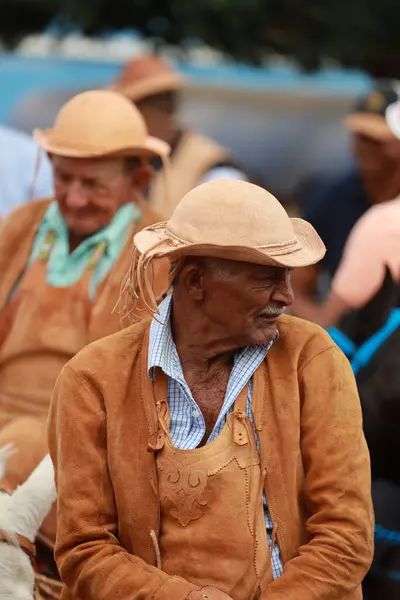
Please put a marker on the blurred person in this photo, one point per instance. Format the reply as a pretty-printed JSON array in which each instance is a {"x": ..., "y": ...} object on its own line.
[
  {"x": 23, "y": 174},
  {"x": 154, "y": 87},
  {"x": 371, "y": 253},
  {"x": 362, "y": 313},
  {"x": 221, "y": 453},
  {"x": 336, "y": 205},
  {"x": 63, "y": 259},
  {"x": 380, "y": 393},
  {"x": 363, "y": 304}
]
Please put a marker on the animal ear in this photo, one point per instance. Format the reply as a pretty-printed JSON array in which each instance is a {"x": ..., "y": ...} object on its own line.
[
  {"x": 32, "y": 501},
  {"x": 5, "y": 452}
]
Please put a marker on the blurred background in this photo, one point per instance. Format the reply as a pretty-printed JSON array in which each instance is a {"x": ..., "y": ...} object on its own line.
[
  {"x": 284, "y": 72},
  {"x": 273, "y": 81}
]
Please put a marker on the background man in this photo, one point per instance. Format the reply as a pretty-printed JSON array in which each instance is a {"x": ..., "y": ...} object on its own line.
[
  {"x": 155, "y": 87},
  {"x": 371, "y": 253},
  {"x": 62, "y": 260},
  {"x": 335, "y": 207}
]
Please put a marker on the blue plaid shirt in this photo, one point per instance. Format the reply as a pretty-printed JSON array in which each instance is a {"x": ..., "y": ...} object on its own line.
[{"x": 187, "y": 426}]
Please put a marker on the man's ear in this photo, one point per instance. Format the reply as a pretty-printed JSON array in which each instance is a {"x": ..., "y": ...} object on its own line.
[
  {"x": 191, "y": 278},
  {"x": 142, "y": 175}
]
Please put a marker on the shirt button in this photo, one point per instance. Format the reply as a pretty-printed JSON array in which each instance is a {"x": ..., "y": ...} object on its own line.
[{"x": 196, "y": 414}]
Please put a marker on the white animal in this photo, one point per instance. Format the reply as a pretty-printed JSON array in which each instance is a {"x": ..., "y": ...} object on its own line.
[{"x": 21, "y": 514}]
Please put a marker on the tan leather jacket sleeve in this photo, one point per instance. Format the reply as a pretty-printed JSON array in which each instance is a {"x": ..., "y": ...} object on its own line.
[
  {"x": 337, "y": 487},
  {"x": 92, "y": 563}
]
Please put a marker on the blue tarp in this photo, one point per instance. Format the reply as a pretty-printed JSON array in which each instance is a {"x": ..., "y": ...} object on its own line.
[
  {"x": 21, "y": 75},
  {"x": 360, "y": 357}
]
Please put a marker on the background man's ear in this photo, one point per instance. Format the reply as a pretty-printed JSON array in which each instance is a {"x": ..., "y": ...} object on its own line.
[{"x": 142, "y": 176}]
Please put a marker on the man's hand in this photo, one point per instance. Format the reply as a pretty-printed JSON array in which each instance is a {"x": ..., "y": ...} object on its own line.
[{"x": 208, "y": 593}]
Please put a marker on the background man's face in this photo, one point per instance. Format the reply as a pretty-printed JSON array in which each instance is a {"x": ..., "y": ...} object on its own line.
[
  {"x": 159, "y": 114},
  {"x": 90, "y": 191}
]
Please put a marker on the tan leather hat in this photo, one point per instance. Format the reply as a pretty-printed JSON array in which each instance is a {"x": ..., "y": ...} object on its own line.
[
  {"x": 147, "y": 76},
  {"x": 234, "y": 220},
  {"x": 224, "y": 218},
  {"x": 100, "y": 123}
]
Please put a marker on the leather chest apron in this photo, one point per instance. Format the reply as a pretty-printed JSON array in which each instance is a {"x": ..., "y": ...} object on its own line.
[
  {"x": 212, "y": 528},
  {"x": 41, "y": 329}
]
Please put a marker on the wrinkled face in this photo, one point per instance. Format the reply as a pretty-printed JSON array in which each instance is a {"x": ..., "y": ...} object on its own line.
[
  {"x": 90, "y": 191},
  {"x": 243, "y": 301}
]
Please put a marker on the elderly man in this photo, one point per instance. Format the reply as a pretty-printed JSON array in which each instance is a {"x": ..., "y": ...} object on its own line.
[
  {"x": 62, "y": 259},
  {"x": 154, "y": 87},
  {"x": 213, "y": 452}
]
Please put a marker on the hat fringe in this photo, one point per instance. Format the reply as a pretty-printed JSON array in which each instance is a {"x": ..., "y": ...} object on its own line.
[{"x": 138, "y": 286}]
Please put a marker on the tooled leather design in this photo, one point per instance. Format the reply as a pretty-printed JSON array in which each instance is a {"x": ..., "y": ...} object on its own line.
[{"x": 185, "y": 488}]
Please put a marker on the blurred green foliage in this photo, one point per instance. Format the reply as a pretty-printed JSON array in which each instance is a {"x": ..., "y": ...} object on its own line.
[{"x": 354, "y": 33}]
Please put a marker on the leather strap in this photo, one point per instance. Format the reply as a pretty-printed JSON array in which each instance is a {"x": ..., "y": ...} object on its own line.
[
  {"x": 240, "y": 428},
  {"x": 160, "y": 388},
  {"x": 26, "y": 545}
]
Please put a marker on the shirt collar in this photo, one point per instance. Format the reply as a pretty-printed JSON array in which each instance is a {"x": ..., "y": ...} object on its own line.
[{"x": 162, "y": 349}]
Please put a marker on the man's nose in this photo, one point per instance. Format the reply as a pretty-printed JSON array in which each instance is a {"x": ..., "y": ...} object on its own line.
[
  {"x": 283, "y": 291},
  {"x": 75, "y": 196}
]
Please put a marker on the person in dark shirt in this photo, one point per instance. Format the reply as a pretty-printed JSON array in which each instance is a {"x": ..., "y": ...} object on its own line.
[
  {"x": 333, "y": 208},
  {"x": 337, "y": 202}
]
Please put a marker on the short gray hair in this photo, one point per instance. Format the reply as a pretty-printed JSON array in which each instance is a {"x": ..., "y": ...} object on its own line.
[{"x": 220, "y": 267}]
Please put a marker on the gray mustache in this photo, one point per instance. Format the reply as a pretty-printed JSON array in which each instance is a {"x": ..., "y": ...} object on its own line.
[{"x": 271, "y": 311}]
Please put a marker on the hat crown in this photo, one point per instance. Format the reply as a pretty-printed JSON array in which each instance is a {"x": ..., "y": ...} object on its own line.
[
  {"x": 100, "y": 119},
  {"x": 140, "y": 69},
  {"x": 232, "y": 213}
]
